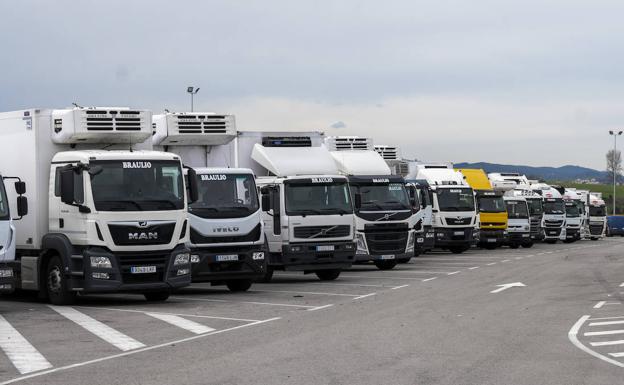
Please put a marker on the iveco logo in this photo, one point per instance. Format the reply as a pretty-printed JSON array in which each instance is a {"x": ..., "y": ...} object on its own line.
[
  {"x": 232, "y": 229},
  {"x": 142, "y": 236}
]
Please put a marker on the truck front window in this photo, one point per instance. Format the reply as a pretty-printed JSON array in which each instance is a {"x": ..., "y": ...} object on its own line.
[
  {"x": 597, "y": 211},
  {"x": 491, "y": 205},
  {"x": 4, "y": 204},
  {"x": 455, "y": 199},
  {"x": 517, "y": 210},
  {"x": 535, "y": 206},
  {"x": 554, "y": 207},
  {"x": 376, "y": 197},
  {"x": 572, "y": 211},
  {"x": 225, "y": 196},
  {"x": 317, "y": 199},
  {"x": 146, "y": 185}
]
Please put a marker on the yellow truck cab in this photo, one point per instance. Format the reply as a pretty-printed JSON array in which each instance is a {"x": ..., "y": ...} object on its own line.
[{"x": 491, "y": 209}]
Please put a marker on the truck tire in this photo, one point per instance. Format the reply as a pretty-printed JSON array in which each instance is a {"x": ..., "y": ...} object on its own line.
[
  {"x": 594, "y": 239},
  {"x": 386, "y": 265},
  {"x": 328, "y": 275},
  {"x": 238, "y": 285},
  {"x": 56, "y": 284},
  {"x": 157, "y": 296},
  {"x": 490, "y": 246},
  {"x": 268, "y": 275},
  {"x": 404, "y": 260},
  {"x": 514, "y": 245},
  {"x": 457, "y": 249},
  {"x": 527, "y": 245}
]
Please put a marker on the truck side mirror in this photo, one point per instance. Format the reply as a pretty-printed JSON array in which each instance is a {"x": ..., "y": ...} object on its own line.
[
  {"x": 67, "y": 186},
  {"x": 193, "y": 191},
  {"x": 266, "y": 202},
  {"x": 22, "y": 205},
  {"x": 357, "y": 200},
  {"x": 20, "y": 188}
]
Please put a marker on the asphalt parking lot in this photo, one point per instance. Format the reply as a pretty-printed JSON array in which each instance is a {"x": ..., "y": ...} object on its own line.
[{"x": 549, "y": 314}]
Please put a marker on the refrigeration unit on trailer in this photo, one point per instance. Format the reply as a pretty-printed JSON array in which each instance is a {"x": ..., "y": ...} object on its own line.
[
  {"x": 521, "y": 187},
  {"x": 518, "y": 222},
  {"x": 490, "y": 207},
  {"x": 307, "y": 208},
  {"x": 554, "y": 222},
  {"x": 226, "y": 230},
  {"x": 387, "y": 216},
  {"x": 7, "y": 229},
  {"x": 454, "y": 215},
  {"x": 574, "y": 208},
  {"x": 105, "y": 215}
]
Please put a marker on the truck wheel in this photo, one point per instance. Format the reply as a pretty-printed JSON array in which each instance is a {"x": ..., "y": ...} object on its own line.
[
  {"x": 56, "y": 284},
  {"x": 490, "y": 246},
  {"x": 457, "y": 249},
  {"x": 327, "y": 275},
  {"x": 514, "y": 245},
  {"x": 404, "y": 260},
  {"x": 239, "y": 284},
  {"x": 527, "y": 245},
  {"x": 157, "y": 296},
  {"x": 385, "y": 265},
  {"x": 268, "y": 275},
  {"x": 594, "y": 239}
]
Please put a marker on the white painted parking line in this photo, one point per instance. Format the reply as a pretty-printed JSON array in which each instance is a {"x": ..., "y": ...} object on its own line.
[
  {"x": 306, "y": 292},
  {"x": 607, "y": 343},
  {"x": 530, "y": 256},
  {"x": 490, "y": 264},
  {"x": 25, "y": 357},
  {"x": 505, "y": 260},
  {"x": 617, "y": 355},
  {"x": 321, "y": 307},
  {"x": 399, "y": 287},
  {"x": 606, "y": 323},
  {"x": 519, "y": 257},
  {"x": 474, "y": 267},
  {"x": 105, "y": 332},
  {"x": 245, "y": 302},
  {"x": 365, "y": 296},
  {"x": 352, "y": 276},
  {"x": 453, "y": 273},
  {"x": 183, "y": 323},
  {"x": 429, "y": 279},
  {"x": 178, "y": 314},
  {"x": 572, "y": 336},
  {"x": 622, "y": 284},
  {"x": 603, "y": 333},
  {"x": 599, "y": 304}
]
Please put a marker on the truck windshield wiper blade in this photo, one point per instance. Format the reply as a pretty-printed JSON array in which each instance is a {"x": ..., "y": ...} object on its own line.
[
  {"x": 336, "y": 209},
  {"x": 130, "y": 202},
  {"x": 373, "y": 203},
  {"x": 167, "y": 201},
  {"x": 398, "y": 202}
]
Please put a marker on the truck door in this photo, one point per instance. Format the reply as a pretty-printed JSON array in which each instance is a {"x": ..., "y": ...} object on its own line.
[{"x": 68, "y": 219}]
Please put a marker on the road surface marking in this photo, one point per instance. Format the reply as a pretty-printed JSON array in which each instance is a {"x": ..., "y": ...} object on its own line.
[
  {"x": 519, "y": 257},
  {"x": 25, "y": 357},
  {"x": 129, "y": 353},
  {"x": 604, "y": 333},
  {"x": 599, "y": 304},
  {"x": 490, "y": 264},
  {"x": 617, "y": 355},
  {"x": 622, "y": 284},
  {"x": 474, "y": 267},
  {"x": 606, "y": 323},
  {"x": 245, "y": 302},
  {"x": 429, "y": 279},
  {"x": 453, "y": 272},
  {"x": 607, "y": 343},
  {"x": 306, "y": 292},
  {"x": 399, "y": 287},
  {"x": 572, "y": 336},
  {"x": 530, "y": 256},
  {"x": 321, "y": 307},
  {"x": 178, "y": 314},
  {"x": 105, "y": 332},
  {"x": 506, "y": 286},
  {"x": 505, "y": 260},
  {"x": 365, "y": 296},
  {"x": 191, "y": 326}
]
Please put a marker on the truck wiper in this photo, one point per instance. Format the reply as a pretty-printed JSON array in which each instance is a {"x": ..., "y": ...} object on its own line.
[
  {"x": 336, "y": 209},
  {"x": 133, "y": 203},
  {"x": 167, "y": 201},
  {"x": 380, "y": 207},
  {"x": 398, "y": 202},
  {"x": 305, "y": 212}
]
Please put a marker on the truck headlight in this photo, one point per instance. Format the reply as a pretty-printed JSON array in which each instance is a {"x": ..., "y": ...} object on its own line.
[
  {"x": 6, "y": 273},
  {"x": 361, "y": 244},
  {"x": 183, "y": 271},
  {"x": 410, "y": 243},
  {"x": 296, "y": 249},
  {"x": 181, "y": 259},
  {"x": 101, "y": 263},
  {"x": 258, "y": 256},
  {"x": 194, "y": 258}
]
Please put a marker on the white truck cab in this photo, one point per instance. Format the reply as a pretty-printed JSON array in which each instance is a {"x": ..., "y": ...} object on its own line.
[
  {"x": 107, "y": 215},
  {"x": 574, "y": 208},
  {"x": 7, "y": 230},
  {"x": 597, "y": 216},
  {"x": 554, "y": 222},
  {"x": 454, "y": 213},
  {"x": 518, "y": 221}
]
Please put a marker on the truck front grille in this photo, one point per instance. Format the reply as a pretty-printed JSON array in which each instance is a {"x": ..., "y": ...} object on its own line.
[
  {"x": 126, "y": 261},
  {"x": 553, "y": 224},
  {"x": 124, "y": 235},
  {"x": 387, "y": 238},
  {"x": 322, "y": 231},
  {"x": 458, "y": 221},
  {"x": 595, "y": 229},
  {"x": 198, "y": 239}
]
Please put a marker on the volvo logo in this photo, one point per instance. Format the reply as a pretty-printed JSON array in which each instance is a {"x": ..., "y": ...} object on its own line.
[
  {"x": 233, "y": 229},
  {"x": 387, "y": 216},
  {"x": 142, "y": 236}
]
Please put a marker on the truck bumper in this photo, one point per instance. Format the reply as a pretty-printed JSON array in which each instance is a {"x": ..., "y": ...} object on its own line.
[
  {"x": 447, "y": 237},
  {"x": 491, "y": 237},
  {"x": 7, "y": 281},
  {"x": 552, "y": 232},
  {"x": 573, "y": 233},
  {"x": 121, "y": 278},
  {"x": 518, "y": 237},
  {"x": 425, "y": 241},
  {"x": 314, "y": 256},
  {"x": 207, "y": 264}
]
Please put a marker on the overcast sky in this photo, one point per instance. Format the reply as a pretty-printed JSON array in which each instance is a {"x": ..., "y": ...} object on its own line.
[{"x": 532, "y": 82}]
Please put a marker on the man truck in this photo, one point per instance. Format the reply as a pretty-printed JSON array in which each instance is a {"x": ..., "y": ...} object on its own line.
[
  {"x": 102, "y": 220},
  {"x": 227, "y": 239}
]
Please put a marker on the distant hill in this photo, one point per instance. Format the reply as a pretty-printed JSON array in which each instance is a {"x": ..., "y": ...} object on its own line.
[{"x": 564, "y": 173}]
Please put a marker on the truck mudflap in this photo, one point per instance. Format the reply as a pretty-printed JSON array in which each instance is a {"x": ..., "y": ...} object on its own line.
[
  {"x": 448, "y": 237},
  {"x": 228, "y": 263},
  {"x": 132, "y": 271},
  {"x": 314, "y": 256},
  {"x": 7, "y": 278}
]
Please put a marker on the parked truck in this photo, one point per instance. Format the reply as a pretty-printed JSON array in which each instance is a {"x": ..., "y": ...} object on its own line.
[
  {"x": 7, "y": 230},
  {"x": 227, "y": 239},
  {"x": 107, "y": 214},
  {"x": 554, "y": 222},
  {"x": 519, "y": 227},
  {"x": 307, "y": 208},
  {"x": 387, "y": 216},
  {"x": 454, "y": 215},
  {"x": 597, "y": 215},
  {"x": 574, "y": 208},
  {"x": 492, "y": 217}
]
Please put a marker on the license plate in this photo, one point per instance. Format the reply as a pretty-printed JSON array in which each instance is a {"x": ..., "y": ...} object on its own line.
[
  {"x": 227, "y": 258},
  {"x": 458, "y": 233},
  {"x": 491, "y": 240},
  {"x": 430, "y": 235},
  {"x": 420, "y": 240},
  {"x": 525, "y": 235},
  {"x": 325, "y": 248},
  {"x": 142, "y": 269},
  {"x": 387, "y": 256},
  {"x": 552, "y": 233}
]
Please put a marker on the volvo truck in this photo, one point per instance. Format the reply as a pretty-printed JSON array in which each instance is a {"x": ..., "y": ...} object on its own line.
[
  {"x": 454, "y": 216},
  {"x": 7, "y": 230},
  {"x": 307, "y": 208},
  {"x": 492, "y": 218},
  {"x": 226, "y": 239},
  {"x": 107, "y": 214},
  {"x": 518, "y": 227},
  {"x": 387, "y": 216}
]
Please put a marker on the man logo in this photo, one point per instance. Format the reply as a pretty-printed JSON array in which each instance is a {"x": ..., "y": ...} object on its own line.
[
  {"x": 143, "y": 236},
  {"x": 143, "y": 224}
]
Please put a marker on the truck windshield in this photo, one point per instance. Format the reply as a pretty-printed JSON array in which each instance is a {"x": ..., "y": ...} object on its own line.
[
  {"x": 317, "y": 199},
  {"x": 489, "y": 204},
  {"x": 554, "y": 207},
  {"x": 225, "y": 196},
  {"x": 455, "y": 199},
  {"x": 4, "y": 204},
  {"x": 382, "y": 197},
  {"x": 535, "y": 206},
  {"x": 572, "y": 211},
  {"x": 597, "y": 211},
  {"x": 517, "y": 210},
  {"x": 149, "y": 185}
]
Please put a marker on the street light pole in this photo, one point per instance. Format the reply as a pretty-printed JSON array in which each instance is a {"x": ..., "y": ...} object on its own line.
[
  {"x": 613, "y": 165},
  {"x": 192, "y": 91}
]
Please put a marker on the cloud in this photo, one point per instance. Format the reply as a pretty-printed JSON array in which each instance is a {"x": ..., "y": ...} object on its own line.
[{"x": 338, "y": 124}]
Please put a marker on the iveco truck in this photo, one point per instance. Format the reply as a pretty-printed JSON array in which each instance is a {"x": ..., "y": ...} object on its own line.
[
  {"x": 307, "y": 208},
  {"x": 227, "y": 239},
  {"x": 106, "y": 216},
  {"x": 491, "y": 209},
  {"x": 7, "y": 230},
  {"x": 454, "y": 215},
  {"x": 387, "y": 216}
]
